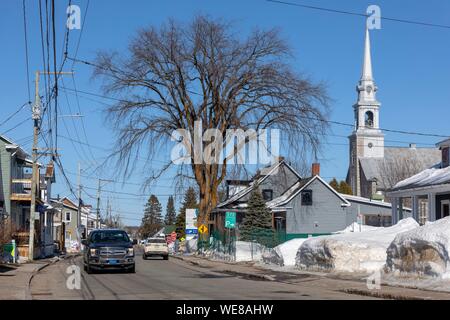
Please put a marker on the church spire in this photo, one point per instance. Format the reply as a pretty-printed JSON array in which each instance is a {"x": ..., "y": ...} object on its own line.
[{"x": 367, "y": 64}]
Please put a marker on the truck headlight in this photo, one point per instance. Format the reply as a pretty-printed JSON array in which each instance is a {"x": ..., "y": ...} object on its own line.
[
  {"x": 93, "y": 252},
  {"x": 130, "y": 252}
]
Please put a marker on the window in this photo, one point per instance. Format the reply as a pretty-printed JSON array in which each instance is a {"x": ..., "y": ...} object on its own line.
[
  {"x": 307, "y": 197},
  {"x": 68, "y": 216},
  {"x": 369, "y": 119},
  {"x": 267, "y": 194}
]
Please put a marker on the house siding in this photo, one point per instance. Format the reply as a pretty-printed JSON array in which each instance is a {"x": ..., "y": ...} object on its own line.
[{"x": 326, "y": 211}]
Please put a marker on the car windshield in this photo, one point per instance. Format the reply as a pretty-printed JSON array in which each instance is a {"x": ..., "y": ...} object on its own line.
[
  {"x": 109, "y": 236},
  {"x": 156, "y": 241}
]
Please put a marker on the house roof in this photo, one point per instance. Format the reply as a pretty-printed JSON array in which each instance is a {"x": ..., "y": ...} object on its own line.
[
  {"x": 256, "y": 180},
  {"x": 293, "y": 191},
  {"x": 373, "y": 168},
  {"x": 430, "y": 177}
]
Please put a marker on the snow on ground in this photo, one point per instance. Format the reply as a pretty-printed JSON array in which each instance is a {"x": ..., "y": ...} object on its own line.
[
  {"x": 356, "y": 227},
  {"x": 351, "y": 252},
  {"x": 284, "y": 254},
  {"x": 422, "y": 251},
  {"x": 245, "y": 252}
]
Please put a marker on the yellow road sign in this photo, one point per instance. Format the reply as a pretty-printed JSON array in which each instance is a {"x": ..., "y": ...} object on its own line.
[{"x": 203, "y": 229}]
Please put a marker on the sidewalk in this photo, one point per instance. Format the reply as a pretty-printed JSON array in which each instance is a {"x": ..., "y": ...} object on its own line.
[
  {"x": 14, "y": 283},
  {"x": 314, "y": 279}
]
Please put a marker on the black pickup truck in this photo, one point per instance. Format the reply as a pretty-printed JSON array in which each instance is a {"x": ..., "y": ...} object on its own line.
[{"x": 108, "y": 249}]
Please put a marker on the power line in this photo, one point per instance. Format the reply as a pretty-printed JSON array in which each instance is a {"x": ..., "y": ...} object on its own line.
[
  {"x": 13, "y": 114},
  {"x": 16, "y": 126},
  {"x": 26, "y": 50},
  {"x": 81, "y": 31},
  {"x": 421, "y": 23}
]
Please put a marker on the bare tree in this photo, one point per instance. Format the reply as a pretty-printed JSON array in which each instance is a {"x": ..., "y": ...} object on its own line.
[
  {"x": 397, "y": 169},
  {"x": 177, "y": 74}
]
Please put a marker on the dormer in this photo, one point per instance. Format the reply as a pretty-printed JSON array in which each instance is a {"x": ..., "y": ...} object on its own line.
[{"x": 444, "y": 146}]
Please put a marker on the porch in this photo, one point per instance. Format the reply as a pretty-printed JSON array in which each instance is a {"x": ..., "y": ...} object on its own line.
[{"x": 428, "y": 203}]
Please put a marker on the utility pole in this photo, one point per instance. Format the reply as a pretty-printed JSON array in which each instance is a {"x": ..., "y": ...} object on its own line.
[
  {"x": 79, "y": 200},
  {"x": 98, "y": 205},
  {"x": 36, "y": 116}
]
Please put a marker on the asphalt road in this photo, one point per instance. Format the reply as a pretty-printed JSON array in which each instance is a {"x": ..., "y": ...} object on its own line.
[{"x": 174, "y": 279}]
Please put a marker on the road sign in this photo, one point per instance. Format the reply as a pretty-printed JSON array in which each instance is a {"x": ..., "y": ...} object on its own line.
[
  {"x": 230, "y": 220},
  {"x": 202, "y": 229},
  {"x": 191, "y": 231}
]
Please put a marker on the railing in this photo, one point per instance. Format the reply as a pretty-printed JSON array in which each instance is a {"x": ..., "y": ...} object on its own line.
[{"x": 21, "y": 189}]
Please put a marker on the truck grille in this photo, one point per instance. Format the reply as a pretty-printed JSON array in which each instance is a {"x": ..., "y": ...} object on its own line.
[{"x": 112, "y": 252}]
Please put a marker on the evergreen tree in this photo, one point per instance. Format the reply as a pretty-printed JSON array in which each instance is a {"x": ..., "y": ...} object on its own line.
[
  {"x": 345, "y": 188},
  {"x": 170, "y": 212},
  {"x": 152, "y": 220},
  {"x": 257, "y": 223},
  {"x": 189, "y": 202},
  {"x": 335, "y": 185}
]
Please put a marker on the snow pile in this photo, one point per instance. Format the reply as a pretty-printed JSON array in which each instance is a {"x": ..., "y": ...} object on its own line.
[
  {"x": 243, "y": 251},
  {"x": 284, "y": 254},
  {"x": 431, "y": 176},
  {"x": 190, "y": 245},
  {"x": 422, "y": 251},
  {"x": 351, "y": 252},
  {"x": 355, "y": 227}
]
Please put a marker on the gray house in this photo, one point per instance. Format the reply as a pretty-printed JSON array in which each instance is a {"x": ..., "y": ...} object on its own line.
[{"x": 302, "y": 207}]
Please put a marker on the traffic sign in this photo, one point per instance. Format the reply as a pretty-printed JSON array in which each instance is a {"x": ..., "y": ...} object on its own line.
[
  {"x": 202, "y": 229},
  {"x": 230, "y": 220},
  {"x": 191, "y": 231}
]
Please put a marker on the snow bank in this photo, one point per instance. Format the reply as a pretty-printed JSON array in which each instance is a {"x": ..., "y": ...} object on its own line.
[
  {"x": 284, "y": 254},
  {"x": 422, "y": 251},
  {"x": 355, "y": 227},
  {"x": 191, "y": 245},
  {"x": 244, "y": 252},
  {"x": 351, "y": 252}
]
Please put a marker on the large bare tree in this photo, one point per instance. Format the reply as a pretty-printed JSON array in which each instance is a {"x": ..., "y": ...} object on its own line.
[{"x": 176, "y": 74}]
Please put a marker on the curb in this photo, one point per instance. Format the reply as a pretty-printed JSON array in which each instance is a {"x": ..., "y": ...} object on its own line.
[
  {"x": 233, "y": 272},
  {"x": 28, "y": 295}
]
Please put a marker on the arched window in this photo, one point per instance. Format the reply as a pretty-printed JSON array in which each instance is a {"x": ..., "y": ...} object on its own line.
[{"x": 369, "y": 119}]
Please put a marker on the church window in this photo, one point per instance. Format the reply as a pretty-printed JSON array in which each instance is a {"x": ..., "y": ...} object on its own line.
[{"x": 369, "y": 119}]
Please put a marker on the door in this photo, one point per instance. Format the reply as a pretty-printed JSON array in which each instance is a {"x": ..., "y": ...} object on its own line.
[{"x": 445, "y": 208}]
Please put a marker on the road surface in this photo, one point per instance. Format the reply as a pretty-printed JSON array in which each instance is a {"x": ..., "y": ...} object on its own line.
[{"x": 174, "y": 279}]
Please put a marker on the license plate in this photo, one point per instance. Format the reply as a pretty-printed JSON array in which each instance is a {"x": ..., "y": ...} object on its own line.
[{"x": 113, "y": 261}]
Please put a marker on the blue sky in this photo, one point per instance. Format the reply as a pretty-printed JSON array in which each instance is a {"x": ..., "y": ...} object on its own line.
[{"x": 411, "y": 68}]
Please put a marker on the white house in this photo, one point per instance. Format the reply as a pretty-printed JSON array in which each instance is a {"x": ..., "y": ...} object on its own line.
[{"x": 429, "y": 191}]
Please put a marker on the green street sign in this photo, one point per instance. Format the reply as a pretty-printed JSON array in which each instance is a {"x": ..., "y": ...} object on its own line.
[{"x": 230, "y": 220}]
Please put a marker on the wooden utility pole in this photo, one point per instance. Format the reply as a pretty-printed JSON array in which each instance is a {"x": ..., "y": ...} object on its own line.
[
  {"x": 98, "y": 205},
  {"x": 36, "y": 116},
  {"x": 79, "y": 200}
]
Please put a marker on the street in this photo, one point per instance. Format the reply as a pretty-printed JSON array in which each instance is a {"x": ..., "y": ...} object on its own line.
[{"x": 174, "y": 279}]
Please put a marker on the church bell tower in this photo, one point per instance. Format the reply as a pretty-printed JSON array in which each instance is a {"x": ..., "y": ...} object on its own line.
[{"x": 367, "y": 140}]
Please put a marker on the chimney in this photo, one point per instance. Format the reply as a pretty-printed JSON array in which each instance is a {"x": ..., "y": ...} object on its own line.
[{"x": 315, "y": 169}]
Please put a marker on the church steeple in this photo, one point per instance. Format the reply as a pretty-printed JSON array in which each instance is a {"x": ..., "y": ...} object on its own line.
[
  {"x": 367, "y": 140},
  {"x": 366, "y": 87},
  {"x": 367, "y": 63}
]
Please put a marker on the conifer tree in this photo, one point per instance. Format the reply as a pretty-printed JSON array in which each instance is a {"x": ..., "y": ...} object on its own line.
[
  {"x": 189, "y": 202},
  {"x": 170, "y": 212},
  {"x": 257, "y": 223},
  {"x": 152, "y": 220}
]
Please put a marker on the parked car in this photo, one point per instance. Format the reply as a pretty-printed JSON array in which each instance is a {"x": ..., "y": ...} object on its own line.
[
  {"x": 108, "y": 249},
  {"x": 156, "y": 247}
]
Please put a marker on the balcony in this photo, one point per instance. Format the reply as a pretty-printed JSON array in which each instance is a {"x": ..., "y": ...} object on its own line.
[{"x": 21, "y": 190}]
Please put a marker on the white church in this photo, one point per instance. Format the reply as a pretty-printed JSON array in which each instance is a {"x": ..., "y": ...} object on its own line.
[{"x": 374, "y": 167}]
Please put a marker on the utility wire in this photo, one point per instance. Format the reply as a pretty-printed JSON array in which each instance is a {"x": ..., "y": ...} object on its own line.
[
  {"x": 26, "y": 50},
  {"x": 421, "y": 23},
  {"x": 13, "y": 114}
]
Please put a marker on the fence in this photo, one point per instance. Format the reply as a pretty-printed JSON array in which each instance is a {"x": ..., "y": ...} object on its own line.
[{"x": 227, "y": 244}]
